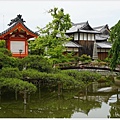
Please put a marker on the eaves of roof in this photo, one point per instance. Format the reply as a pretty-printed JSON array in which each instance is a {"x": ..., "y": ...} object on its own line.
[
  {"x": 79, "y": 27},
  {"x": 72, "y": 44},
  {"x": 106, "y": 45},
  {"x": 15, "y": 24}
]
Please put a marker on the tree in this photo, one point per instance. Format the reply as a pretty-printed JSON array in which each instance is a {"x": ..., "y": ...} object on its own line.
[
  {"x": 2, "y": 43},
  {"x": 115, "y": 50},
  {"x": 52, "y": 37}
]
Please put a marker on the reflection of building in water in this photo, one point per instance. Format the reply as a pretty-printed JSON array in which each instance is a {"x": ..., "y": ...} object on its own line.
[{"x": 97, "y": 94}]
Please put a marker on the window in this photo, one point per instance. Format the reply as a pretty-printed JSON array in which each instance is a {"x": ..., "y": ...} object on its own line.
[
  {"x": 81, "y": 36},
  {"x": 15, "y": 46},
  {"x": 85, "y": 36},
  {"x": 75, "y": 36},
  {"x": 93, "y": 38},
  {"x": 89, "y": 36}
]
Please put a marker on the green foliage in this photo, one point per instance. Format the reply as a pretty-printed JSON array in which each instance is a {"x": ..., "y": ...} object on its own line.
[
  {"x": 10, "y": 73},
  {"x": 83, "y": 78},
  {"x": 60, "y": 21},
  {"x": 17, "y": 84},
  {"x": 115, "y": 50},
  {"x": 106, "y": 79},
  {"x": 2, "y": 43},
  {"x": 36, "y": 62},
  {"x": 52, "y": 37},
  {"x": 33, "y": 74},
  {"x": 7, "y": 61},
  {"x": 5, "y": 51},
  {"x": 107, "y": 60},
  {"x": 50, "y": 78},
  {"x": 85, "y": 58}
]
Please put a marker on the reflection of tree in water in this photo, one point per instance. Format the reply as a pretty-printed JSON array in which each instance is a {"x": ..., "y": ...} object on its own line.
[{"x": 49, "y": 106}]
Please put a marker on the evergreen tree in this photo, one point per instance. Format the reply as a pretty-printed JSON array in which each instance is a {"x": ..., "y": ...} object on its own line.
[
  {"x": 115, "y": 50},
  {"x": 52, "y": 37}
]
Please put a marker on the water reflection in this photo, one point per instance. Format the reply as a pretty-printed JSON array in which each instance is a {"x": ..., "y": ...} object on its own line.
[
  {"x": 98, "y": 103},
  {"x": 114, "y": 102}
]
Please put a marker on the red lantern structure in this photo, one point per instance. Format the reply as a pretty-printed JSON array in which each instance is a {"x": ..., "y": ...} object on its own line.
[{"x": 16, "y": 37}]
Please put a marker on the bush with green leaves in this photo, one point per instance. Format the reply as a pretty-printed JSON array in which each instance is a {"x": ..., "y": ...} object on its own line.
[
  {"x": 36, "y": 62},
  {"x": 7, "y": 61},
  {"x": 83, "y": 77},
  {"x": 6, "y": 51},
  {"x": 85, "y": 58},
  {"x": 48, "y": 77},
  {"x": 17, "y": 84},
  {"x": 10, "y": 73},
  {"x": 2, "y": 43}
]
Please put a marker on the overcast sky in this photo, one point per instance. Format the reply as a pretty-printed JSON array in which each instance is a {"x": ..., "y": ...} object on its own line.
[{"x": 35, "y": 14}]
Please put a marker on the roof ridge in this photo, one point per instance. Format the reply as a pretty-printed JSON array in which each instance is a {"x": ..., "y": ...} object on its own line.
[
  {"x": 79, "y": 23},
  {"x": 99, "y": 26},
  {"x": 14, "y": 24},
  {"x": 15, "y": 20}
]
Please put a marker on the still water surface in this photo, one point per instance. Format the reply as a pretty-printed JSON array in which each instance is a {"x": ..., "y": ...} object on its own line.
[{"x": 103, "y": 103}]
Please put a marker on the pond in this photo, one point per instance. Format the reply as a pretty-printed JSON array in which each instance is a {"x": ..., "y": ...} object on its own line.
[{"x": 100, "y": 102}]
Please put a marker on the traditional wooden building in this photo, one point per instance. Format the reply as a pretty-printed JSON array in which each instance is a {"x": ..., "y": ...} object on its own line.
[
  {"x": 16, "y": 37},
  {"x": 84, "y": 35},
  {"x": 103, "y": 46},
  {"x": 91, "y": 41}
]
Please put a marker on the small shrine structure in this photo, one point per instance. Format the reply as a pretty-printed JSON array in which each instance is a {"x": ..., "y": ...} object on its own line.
[{"x": 17, "y": 36}]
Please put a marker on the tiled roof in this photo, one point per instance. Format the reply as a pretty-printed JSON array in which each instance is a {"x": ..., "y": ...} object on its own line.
[
  {"x": 103, "y": 45},
  {"x": 105, "y": 33},
  {"x": 81, "y": 27},
  {"x": 101, "y": 37},
  {"x": 99, "y": 28},
  {"x": 71, "y": 44},
  {"x": 19, "y": 21}
]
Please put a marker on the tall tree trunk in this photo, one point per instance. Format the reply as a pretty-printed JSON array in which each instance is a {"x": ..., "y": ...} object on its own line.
[
  {"x": 59, "y": 88},
  {"x": 39, "y": 92},
  {"x": 15, "y": 94},
  {"x": 28, "y": 96},
  {"x": 25, "y": 97},
  {"x": 0, "y": 94},
  {"x": 86, "y": 90},
  {"x": 25, "y": 109}
]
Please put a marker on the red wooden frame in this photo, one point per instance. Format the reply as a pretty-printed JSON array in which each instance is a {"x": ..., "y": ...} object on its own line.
[{"x": 7, "y": 36}]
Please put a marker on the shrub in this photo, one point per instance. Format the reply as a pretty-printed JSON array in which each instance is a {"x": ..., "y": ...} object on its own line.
[
  {"x": 17, "y": 84},
  {"x": 85, "y": 58},
  {"x": 36, "y": 62},
  {"x": 5, "y": 51},
  {"x": 10, "y": 73},
  {"x": 2, "y": 43},
  {"x": 7, "y": 61}
]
